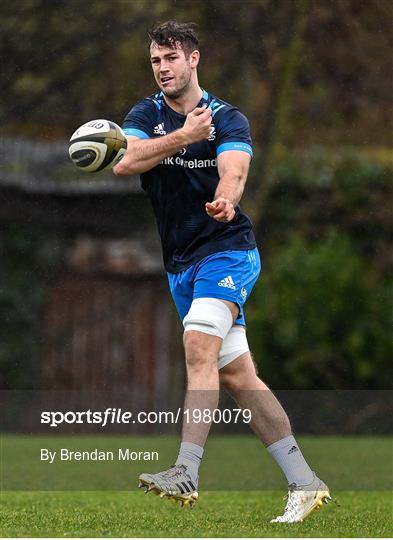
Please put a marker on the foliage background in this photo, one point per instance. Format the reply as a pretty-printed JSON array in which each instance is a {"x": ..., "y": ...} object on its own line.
[{"x": 315, "y": 79}]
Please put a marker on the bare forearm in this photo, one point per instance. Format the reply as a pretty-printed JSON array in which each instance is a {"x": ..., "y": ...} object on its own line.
[
  {"x": 143, "y": 155},
  {"x": 231, "y": 187},
  {"x": 233, "y": 169}
]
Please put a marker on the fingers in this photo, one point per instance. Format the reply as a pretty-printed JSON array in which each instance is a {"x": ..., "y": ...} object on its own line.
[
  {"x": 200, "y": 110},
  {"x": 224, "y": 216},
  {"x": 220, "y": 210},
  {"x": 198, "y": 124}
]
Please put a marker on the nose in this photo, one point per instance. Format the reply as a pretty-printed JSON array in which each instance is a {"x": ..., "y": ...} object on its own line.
[{"x": 163, "y": 66}]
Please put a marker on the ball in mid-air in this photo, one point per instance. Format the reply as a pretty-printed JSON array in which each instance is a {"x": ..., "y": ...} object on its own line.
[{"x": 96, "y": 145}]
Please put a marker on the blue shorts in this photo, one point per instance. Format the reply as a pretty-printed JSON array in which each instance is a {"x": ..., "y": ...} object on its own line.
[{"x": 227, "y": 275}]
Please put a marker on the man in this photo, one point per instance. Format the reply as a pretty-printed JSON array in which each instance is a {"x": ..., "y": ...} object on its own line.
[{"x": 192, "y": 151}]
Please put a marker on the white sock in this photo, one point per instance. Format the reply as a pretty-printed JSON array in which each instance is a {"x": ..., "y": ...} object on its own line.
[
  {"x": 190, "y": 455},
  {"x": 289, "y": 458}
]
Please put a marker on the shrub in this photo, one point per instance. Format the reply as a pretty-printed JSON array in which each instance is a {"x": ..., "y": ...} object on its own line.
[{"x": 319, "y": 318}]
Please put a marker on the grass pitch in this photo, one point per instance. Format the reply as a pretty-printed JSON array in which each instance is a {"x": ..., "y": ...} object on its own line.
[
  {"x": 217, "y": 514},
  {"x": 358, "y": 471}
]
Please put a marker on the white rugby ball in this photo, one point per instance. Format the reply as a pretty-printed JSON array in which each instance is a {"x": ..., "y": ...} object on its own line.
[{"x": 97, "y": 145}]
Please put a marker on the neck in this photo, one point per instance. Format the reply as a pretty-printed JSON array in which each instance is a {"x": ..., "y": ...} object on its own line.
[{"x": 187, "y": 102}]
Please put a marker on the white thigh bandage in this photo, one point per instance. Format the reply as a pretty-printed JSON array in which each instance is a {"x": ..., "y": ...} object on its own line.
[
  {"x": 210, "y": 316},
  {"x": 233, "y": 346}
]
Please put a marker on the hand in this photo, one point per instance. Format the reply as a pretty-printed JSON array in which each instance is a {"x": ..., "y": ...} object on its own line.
[
  {"x": 197, "y": 125},
  {"x": 221, "y": 210}
]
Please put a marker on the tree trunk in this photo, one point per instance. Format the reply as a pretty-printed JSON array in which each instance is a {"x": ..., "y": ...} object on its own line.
[{"x": 280, "y": 106}]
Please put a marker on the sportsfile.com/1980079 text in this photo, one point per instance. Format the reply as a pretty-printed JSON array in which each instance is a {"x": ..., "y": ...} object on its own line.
[{"x": 111, "y": 416}]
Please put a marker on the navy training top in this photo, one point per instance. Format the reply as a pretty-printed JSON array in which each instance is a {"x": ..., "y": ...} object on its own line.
[{"x": 181, "y": 184}]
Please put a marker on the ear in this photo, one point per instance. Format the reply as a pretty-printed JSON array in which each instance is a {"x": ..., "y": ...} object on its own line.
[{"x": 194, "y": 59}]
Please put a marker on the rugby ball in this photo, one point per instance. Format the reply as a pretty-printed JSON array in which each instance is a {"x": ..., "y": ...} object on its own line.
[{"x": 97, "y": 145}]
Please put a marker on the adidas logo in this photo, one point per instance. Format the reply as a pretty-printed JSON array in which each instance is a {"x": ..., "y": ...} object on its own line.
[
  {"x": 159, "y": 130},
  {"x": 227, "y": 282},
  {"x": 293, "y": 449}
]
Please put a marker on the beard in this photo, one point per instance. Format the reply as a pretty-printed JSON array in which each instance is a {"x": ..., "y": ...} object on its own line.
[{"x": 180, "y": 88}]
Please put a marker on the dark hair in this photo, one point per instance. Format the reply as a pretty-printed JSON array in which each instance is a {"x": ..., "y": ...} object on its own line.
[{"x": 173, "y": 34}]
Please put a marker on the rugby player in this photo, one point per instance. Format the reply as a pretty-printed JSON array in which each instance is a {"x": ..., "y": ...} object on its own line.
[{"x": 192, "y": 151}]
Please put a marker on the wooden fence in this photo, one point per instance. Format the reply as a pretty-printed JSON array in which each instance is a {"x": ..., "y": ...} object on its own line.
[{"x": 113, "y": 334}]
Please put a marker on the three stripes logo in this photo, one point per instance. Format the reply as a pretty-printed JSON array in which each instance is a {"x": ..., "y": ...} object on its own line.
[
  {"x": 293, "y": 449},
  {"x": 227, "y": 282},
  {"x": 159, "y": 129},
  {"x": 185, "y": 487}
]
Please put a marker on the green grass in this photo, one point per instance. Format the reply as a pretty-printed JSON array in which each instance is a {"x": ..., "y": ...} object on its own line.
[
  {"x": 218, "y": 514},
  {"x": 95, "y": 499},
  {"x": 237, "y": 462}
]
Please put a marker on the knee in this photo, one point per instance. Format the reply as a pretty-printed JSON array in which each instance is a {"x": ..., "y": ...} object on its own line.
[
  {"x": 236, "y": 380},
  {"x": 241, "y": 374},
  {"x": 199, "y": 350},
  {"x": 191, "y": 342},
  {"x": 229, "y": 381}
]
